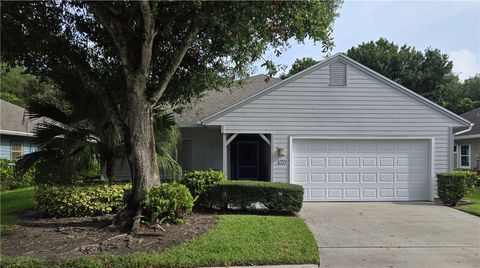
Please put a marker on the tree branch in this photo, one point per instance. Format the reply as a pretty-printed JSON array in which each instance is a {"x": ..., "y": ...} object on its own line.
[
  {"x": 177, "y": 58},
  {"x": 115, "y": 27},
  {"x": 148, "y": 37},
  {"x": 106, "y": 98}
]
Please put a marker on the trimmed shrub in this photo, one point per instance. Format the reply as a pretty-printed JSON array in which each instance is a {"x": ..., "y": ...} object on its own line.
[
  {"x": 276, "y": 197},
  {"x": 198, "y": 183},
  {"x": 168, "y": 202},
  {"x": 81, "y": 200},
  {"x": 10, "y": 179},
  {"x": 471, "y": 180},
  {"x": 451, "y": 187}
]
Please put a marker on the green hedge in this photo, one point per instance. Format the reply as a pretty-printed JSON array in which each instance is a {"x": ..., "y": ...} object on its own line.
[
  {"x": 276, "y": 197},
  {"x": 471, "y": 179},
  {"x": 451, "y": 187},
  {"x": 168, "y": 202},
  {"x": 198, "y": 182},
  {"x": 10, "y": 179},
  {"x": 81, "y": 200}
]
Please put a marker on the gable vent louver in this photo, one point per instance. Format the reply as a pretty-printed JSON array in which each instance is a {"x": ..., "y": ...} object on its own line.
[{"x": 338, "y": 74}]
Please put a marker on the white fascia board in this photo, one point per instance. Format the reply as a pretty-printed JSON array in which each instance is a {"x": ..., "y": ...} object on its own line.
[
  {"x": 16, "y": 133},
  {"x": 466, "y": 137}
]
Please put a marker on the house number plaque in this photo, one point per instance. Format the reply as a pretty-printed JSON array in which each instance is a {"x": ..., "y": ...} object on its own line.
[{"x": 282, "y": 162}]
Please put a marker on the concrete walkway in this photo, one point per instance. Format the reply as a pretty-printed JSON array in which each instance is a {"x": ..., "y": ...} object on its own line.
[{"x": 385, "y": 234}]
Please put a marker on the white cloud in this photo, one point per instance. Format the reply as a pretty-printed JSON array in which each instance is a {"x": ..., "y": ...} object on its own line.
[{"x": 465, "y": 63}]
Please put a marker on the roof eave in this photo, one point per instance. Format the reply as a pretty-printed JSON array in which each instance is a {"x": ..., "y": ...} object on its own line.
[
  {"x": 462, "y": 121},
  {"x": 16, "y": 133},
  {"x": 268, "y": 89}
]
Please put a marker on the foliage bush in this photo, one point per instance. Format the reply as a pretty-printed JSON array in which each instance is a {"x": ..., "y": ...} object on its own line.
[
  {"x": 451, "y": 187},
  {"x": 198, "y": 182},
  {"x": 276, "y": 197},
  {"x": 81, "y": 200},
  {"x": 48, "y": 172},
  {"x": 10, "y": 179},
  {"x": 168, "y": 202},
  {"x": 471, "y": 179}
]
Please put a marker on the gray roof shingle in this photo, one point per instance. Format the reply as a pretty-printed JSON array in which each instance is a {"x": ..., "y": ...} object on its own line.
[
  {"x": 12, "y": 119},
  {"x": 474, "y": 117},
  {"x": 215, "y": 101}
]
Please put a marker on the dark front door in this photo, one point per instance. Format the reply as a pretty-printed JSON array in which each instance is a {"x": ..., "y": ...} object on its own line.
[{"x": 248, "y": 160}]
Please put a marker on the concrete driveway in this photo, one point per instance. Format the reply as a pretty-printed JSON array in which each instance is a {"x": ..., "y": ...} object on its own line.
[{"x": 385, "y": 234}]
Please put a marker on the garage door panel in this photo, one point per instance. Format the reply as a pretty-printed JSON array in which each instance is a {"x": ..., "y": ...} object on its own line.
[{"x": 363, "y": 170}]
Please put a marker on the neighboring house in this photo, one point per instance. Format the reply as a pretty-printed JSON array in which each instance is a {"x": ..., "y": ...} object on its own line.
[
  {"x": 15, "y": 131},
  {"x": 466, "y": 151},
  {"x": 343, "y": 131}
]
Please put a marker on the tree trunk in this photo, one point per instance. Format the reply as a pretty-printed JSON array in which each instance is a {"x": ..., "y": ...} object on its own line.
[
  {"x": 140, "y": 149},
  {"x": 110, "y": 168},
  {"x": 142, "y": 156}
]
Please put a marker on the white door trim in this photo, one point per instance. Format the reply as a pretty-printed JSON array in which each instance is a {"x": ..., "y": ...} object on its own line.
[{"x": 431, "y": 153}]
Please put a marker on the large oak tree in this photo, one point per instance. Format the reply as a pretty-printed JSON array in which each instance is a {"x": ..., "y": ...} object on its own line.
[{"x": 138, "y": 55}]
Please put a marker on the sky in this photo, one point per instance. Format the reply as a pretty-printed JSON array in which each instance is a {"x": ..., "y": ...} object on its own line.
[{"x": 451, "y": 26}]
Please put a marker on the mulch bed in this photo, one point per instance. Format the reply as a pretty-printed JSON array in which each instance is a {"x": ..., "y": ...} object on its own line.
[{"x": 73, "y": 237}]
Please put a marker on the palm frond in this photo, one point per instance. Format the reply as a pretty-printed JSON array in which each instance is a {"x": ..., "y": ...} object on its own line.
[
  {"x": 167, "y": 136},
  {"x": 169, "y": 167},
  {"x": 42, "y": 109}
]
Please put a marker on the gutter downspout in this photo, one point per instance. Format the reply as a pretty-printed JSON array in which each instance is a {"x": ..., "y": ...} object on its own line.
[{"x": 465, "y": 130}]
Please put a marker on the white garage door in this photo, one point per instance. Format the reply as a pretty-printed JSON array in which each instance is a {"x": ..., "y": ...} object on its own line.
[{"x": 362, "y": 170}]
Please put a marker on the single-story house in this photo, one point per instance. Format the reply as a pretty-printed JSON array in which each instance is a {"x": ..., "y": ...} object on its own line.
[
  {"x": 15, "y": 131},
  {"x": 343, "y": 131},
  {"x": 466, "y": 151}
]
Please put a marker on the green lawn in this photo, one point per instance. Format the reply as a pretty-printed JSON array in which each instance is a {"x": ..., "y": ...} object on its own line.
[
  {"x": 235, "y": 240},
  {"x": 13, "y": 202},
  {"x": 473, "y": 208}
]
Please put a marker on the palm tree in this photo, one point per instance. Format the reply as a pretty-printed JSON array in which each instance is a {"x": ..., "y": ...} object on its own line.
[
  {"x": 167, "y": 136},
  {"x": 77, "y": 140}
]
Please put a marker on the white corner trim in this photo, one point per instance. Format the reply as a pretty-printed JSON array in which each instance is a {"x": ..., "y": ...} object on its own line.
[{"x": 16, "y": 133}]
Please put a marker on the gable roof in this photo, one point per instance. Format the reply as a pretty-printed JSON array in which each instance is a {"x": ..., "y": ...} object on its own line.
[
  {"x": 474, "y": 117},
  {"x": 217, "y": 100},
  {"x": 13, "y": 122},
  {"x": 343, "y": 58}
]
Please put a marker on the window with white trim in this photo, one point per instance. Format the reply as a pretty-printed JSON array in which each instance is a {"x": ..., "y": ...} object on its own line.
[
  {"x": 16, "y": 151},
  {"x": 464, "y": 156}
]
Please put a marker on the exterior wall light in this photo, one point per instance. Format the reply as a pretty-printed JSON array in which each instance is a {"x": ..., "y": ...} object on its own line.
[{"x": 282, "y": 152}]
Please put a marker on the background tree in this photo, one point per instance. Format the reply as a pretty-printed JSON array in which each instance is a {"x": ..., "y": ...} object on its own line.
[
  {"x": 153, "y": 53},
  {"x": 423, "y": 72},
  {"x": 461, "y": 97},
  {"x": 298, "y": 66},
  {"x": 19, "y": 87},
  {"x": 427, "y": 73}
]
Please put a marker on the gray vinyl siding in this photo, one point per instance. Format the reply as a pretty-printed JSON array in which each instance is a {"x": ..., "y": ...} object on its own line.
[
  {"x": 206, "y": 147},
  {"x": 365, "y": 107}
]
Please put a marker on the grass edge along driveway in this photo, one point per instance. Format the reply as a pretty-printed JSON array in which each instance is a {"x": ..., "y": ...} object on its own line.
[
  {"x": 474, "y": 207},
  {"x": 235, "y": 240}
]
